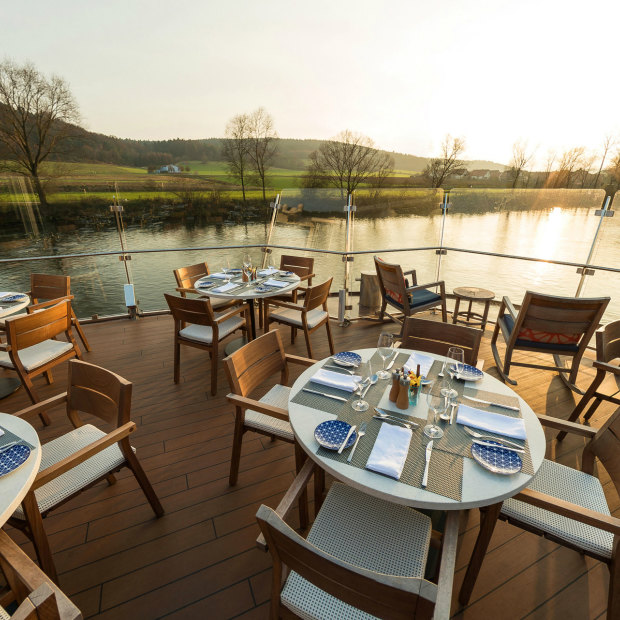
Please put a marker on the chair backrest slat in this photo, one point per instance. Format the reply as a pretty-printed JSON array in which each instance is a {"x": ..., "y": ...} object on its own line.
[
  {"x": 299, "y": 265},
  {"x": 44, "y": 286},
  {"x": 28, "y": 330},
  {"x": 186, "y": 276},
  {"x": 608, "y": 342},
  {"x": 185, "y": 310},
  {"x": 317, "y": 295}
]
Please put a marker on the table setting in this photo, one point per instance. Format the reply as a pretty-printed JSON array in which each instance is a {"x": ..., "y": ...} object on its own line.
[{"x": 11, "y": 301}]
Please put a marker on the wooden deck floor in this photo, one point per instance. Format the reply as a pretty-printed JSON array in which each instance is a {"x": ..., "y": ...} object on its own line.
[{"x": 116, "y": 560}]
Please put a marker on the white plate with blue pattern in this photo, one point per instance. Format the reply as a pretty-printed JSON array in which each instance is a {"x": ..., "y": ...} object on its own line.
[
  {"x": 12, "y": 458},
  {"x": 496, "y": 458},
  {"x": 331, "y": 433},
  {"x": 16, "y": 297},
  {"x": 470, "y": 373},
  {"x": 347, "y": 359}
]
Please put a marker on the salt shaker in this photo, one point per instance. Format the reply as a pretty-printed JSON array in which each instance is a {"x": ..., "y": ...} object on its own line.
[
  {"x": 402, "y": 402},
  {"x": 395, "y": 386}
]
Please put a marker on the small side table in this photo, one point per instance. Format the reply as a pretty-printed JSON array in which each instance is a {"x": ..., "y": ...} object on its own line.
[{"x": 472, "y": 294}]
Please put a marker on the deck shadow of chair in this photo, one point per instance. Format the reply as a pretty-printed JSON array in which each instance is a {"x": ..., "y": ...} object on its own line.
[
  {"x": 376, "y": 565},
  {"x": 607, "y": 349},
  {"x": 29, "y": 587},
  {"x": 197, "y": 325},
  {"x": 31, "y": 348},
  {"x": 557, "y": 326},
  {"x": 308, "y": 317},
  {"x": 247, "y": 369},
  {"x": 436, "y": 337},
  {"x": 186, "y": 277},
  {"x": 84, "y": 456},
  {"x": 396, "y": 293},
  {"x": 565, "y": 505}
]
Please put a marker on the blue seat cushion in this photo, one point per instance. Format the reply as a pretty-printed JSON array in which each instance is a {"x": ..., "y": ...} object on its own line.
[
  {"x": 419, "y": 298},
  {"x": 551, "y": 346}
]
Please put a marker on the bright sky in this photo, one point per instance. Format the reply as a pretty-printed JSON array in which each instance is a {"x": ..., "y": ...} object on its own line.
[{"x": 404, "y": 73}]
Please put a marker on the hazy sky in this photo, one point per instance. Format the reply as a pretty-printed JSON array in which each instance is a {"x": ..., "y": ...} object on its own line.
[{"x": 404, "y": 73}]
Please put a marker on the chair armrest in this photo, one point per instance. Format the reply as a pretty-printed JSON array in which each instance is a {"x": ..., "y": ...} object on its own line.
[
  {"x": 569, "y": 427},
  {"x": 508, "y": 306},
  {"x": 282, "y": 304},
  {"x": 409, "y": 289},
  {"x": 249, "y": 403},
  {"x": 230, "y": 313},
  {"x": 296, "y": 359},
  {"x": 569, "y": 510},
  {"x": 410, "y": 272},
  {"x": 71, "y": 461},
  {"x": 607, "y": 367},
  {"x": 47, "y": 304},
  {"x": 4, "y": 346},
  {"x": 182, "y": 289},
  {"x": 307, "y": 276},
  {"x": 54, "y": 401}
]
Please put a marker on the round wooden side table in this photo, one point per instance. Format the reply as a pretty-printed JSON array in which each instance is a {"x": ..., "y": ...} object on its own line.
[{"x": 472, "y": 294}]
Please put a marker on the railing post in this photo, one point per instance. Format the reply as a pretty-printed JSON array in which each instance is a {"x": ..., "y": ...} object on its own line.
[
  {"x": 343, "y": 296},
  {"x": 444, "y": 206},
  {"x": 275, "y": 206}
]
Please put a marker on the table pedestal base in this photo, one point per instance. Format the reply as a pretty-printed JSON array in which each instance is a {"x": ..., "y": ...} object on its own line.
[{"x": 8, "y": 386}]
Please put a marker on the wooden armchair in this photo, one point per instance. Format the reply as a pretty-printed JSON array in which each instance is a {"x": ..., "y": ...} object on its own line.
[
  {"x": 28, "y": 586},
  {"x": 206, "y": 329},
  {"x": 565, "y": 505},
  {"x": 375, "y": 564},
  {"x": 31, "y": 348},
  {"x": 186, "y": 277},
  {"x": 82, "y": 457},
  {"x": 558, "y": 326},
  {"x": 407, "y": 299},
  {"x": 436, "y": 337},
  {"x": 309, "y": 316}
]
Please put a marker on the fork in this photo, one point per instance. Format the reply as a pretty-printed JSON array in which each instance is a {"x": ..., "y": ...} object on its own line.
[
  {"x": 498, "y": 439},
  {"x": 360, "y": 432}
]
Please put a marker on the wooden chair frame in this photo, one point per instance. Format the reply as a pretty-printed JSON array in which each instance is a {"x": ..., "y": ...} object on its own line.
[
  {"x": 392, "y": 278},
  {"x": 548, "y": 313},
  {"x": 603, "y": 444},
  {"x": 385, "y": 596},
  {"x": 37, "y": 595},
  {"x": 436, "y": 337},
  {"x": 107, "y": 396},
  {"x": 315, "y": 297},
  {"x": 200, "y": 312},
  {"x": 186, "y": 277}
]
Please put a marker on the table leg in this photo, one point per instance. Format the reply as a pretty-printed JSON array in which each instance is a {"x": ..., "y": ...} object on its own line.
[
  {"x": 455, "y": 314},
  {"x": 8, "y": 386},
  {"x": 485, "y": 314},
  {"x": 250, "y": 303},
  {"x": 236, "y": 344},
  {"x": 469, "y": 311}
]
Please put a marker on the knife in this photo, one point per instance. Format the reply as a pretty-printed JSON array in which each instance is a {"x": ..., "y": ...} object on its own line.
[
  {"x": 487, "y": 402},
  {"x": 344, "y": 443},
  {"x": 392, "y": 414},
  {"x": 429, "y": 449},
  {"x": 390, "y": 364},
  {"x": 481, "y": 442},
  {"x": 340, "y": 398}
]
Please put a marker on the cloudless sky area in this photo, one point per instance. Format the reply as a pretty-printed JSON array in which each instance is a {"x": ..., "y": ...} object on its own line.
[{"x": 404, "y": 73}]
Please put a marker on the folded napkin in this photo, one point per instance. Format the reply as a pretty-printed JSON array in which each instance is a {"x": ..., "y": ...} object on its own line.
[
  {"x": 268, "y": 272},
  {"x": 276, "y": 283},
  {"x": 219, "y": 276},
  {"x": 390, "y": 451},
  {"x": 491, "y": 422},
  {"x": 224, "y": 288},
  {"x": 425, "y": 361},
  {"x": 334, "y": 379}
]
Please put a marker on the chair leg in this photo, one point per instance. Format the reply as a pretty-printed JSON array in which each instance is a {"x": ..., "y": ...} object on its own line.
[
  {"x": 49, "y": 377},
  {"x": 111, "y": 478},
  {"x": 236, "y": 447},
  {"x": 613, "y": 597},
  {"x": 444, "y": 311},
  {"x": 34, "y": 397},
  {"x": 177, "y": 362},
  {"x": 293, "y": 334},
  {"x": 214, "y": 357},
  {"x": 145, "y": 484},
  {"x": 502, "y": 369},
  {"x": 300, "y": 458},
  {"x": 570, "y": 381},
  {"x": 329, "y": 338},
  {"x": 38, "y": 535},
  {"x": 308, "y": 344},
  {"x": 585, "y": 399},
  {"x": 79, "y": 330},
  {"x": 319, "y": 489}
]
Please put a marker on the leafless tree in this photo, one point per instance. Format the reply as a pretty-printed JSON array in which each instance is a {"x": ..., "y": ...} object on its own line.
[
  {"x": 347, "y": 160},
  {"x": 570, "y": 162},
  {"x": 236, "y": 148},
  {"x": 262, "y": 143},
  {"x": 37, "y": 115},
  {"x": 614, "y": 168},
  {"x": 608, "y": 142},
  {"x": 585, "y": 169},
  {"x": 551, "y": 156},
  {"x": 440, "y": 168},
  {"x": 520, "y": 159}
]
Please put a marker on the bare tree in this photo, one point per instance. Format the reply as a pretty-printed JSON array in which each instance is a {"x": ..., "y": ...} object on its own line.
[
  {"x": 520, "y": 159},
  {"x": 236, "y": 148},
  {"x": 570, "y": 162},
  {"x": 608, "y": 142},
  {"x": 262, "y": 143},
  {"x": 551, "y": 156},
  {"x": 585, "y": 169},
  {"x": 347, "y": 160},
  {"x": 614, "y": 168},
  {"x": 440, "y": 168},
  {"x": 37, "y": 114}
]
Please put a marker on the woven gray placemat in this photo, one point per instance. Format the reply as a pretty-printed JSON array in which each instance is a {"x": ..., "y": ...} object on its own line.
[
  {"x": 9, "y": 437},
  {"x": 492, "y": 397}
]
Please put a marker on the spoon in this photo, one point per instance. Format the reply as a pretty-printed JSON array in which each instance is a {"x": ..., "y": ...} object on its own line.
[{"x": 373, "y": 380}]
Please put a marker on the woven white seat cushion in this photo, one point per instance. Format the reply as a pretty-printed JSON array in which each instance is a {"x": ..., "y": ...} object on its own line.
[
  {"x": 38, "y": 354},
  {"x": 2, "y": 323},
  {"x": 218, "y": 302},
  {"x": 572, "y": 486},
  {"x": 204, "y": 333},
  {"x": 278, "y": 397},
  {"x": 104, "y": 462},
  {"x": 365, "y": 531},
  {"x": 4, "y": 614},
  {"x": 292, "y": 317}
]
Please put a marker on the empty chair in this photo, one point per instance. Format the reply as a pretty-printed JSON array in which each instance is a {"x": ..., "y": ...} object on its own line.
[
  {"x": 28, "y": 586},
  {"x": 186, "y": 277},
  {"x": 309, "y": 316},
  {"x": 300, "y": 266},
  {"x": 558, "y": 326},
  {"x": 197, "y": 325},
  {"x": 84, "y": 456},
  {"x": 407, "y": 299},
  {"x": 436, "y": 337}
]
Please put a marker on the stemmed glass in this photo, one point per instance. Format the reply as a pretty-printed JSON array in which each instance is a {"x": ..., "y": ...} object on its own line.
[
  {"x": 226, "y": 270},
  {"x": 385, "y": 349},
  {"x": 437, "y": 404},
  {"x": 455, "y": 361},
  {"x": 363, "y": 377}
]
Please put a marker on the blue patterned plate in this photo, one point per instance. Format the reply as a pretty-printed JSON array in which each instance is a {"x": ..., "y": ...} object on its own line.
[
  {"x": 471, "y": 373},
  {"x": 16, "y": 297},
  {"x": 496, "y": 459},
  {"x": 347, "y": 359},
  {"x": 12, "y": 458},
  {"x": 263, "y": 289},
  {"x": 331, "y": 433}
]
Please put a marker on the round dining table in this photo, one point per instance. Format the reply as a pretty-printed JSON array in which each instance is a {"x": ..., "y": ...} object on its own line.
[{"x": 8, "y": 385}]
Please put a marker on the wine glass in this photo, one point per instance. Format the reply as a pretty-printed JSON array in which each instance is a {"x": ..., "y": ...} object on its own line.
[
  {"x": 437, "y": 404},
  {"x": 363, "y": 377},
  {"x": 449, "y": 394},
  {"x": 385, "y": 349},
  {"x": 455, "y": 362},
  {"x": 226, "y": 270}
]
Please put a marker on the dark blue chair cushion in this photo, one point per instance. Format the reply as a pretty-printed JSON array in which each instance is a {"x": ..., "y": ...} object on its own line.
[
  {"x": 419, "y": 298},
  {"x": 551, "y": 346}
]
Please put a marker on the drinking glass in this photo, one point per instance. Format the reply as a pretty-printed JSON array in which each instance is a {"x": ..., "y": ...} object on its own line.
[
  {"x": 363, "y": 372},
  {"x": 455, "y": 362},
  {"x": 385, "y": 349},
  {"x": 449, "y": 394},
  {"x": 226, "y": 270},
  {"x": 247, "y": 261},
  {"x": 437, "y": 404}
]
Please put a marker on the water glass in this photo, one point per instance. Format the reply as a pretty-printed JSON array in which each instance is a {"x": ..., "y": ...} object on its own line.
[
  {"x": 449, "y": 394},
  {"x": 363, "y": 378},
  {"x": 437, "y": 404},
  {"x": 385, "y": 349},
  {"x": 455, "y": 361}
]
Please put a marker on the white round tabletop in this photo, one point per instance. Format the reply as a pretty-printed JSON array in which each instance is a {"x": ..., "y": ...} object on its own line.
[
  {"x": 7, "y": 308},
  {"x": 480, "y": 486},
  {"x": 15, "y": 485},
  {"x": 249, "y": 290}
]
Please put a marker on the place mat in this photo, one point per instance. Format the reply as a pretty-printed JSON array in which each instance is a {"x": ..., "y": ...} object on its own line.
[
  {"x": 513, "y": 401},
  {"x": 10, "y": 437}
]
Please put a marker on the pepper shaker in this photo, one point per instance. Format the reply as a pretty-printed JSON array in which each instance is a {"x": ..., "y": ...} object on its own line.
[
  {"x": 395, "y": 386},
  {"x": 402, "y": 402}
]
